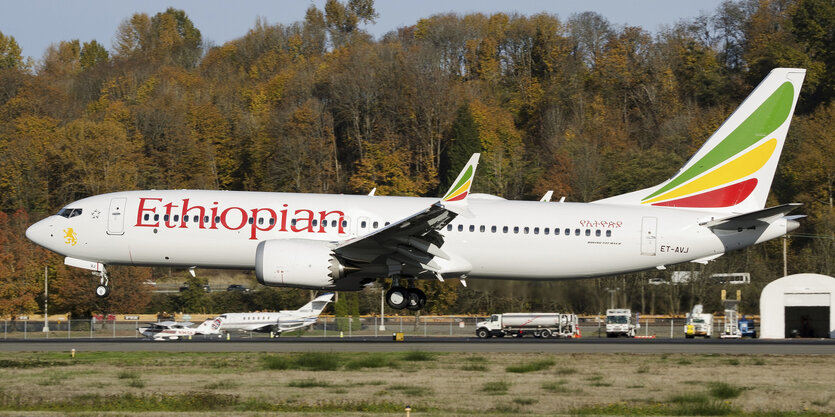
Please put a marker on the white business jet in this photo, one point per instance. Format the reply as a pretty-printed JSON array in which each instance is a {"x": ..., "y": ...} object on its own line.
[
  {"x": 277, "y": 323},
  {"x": 714, "y": 204},
  {"x": 173, "y": 330}
]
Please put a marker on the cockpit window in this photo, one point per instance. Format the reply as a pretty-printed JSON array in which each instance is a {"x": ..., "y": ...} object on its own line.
[{"x": 69, "y": 212}]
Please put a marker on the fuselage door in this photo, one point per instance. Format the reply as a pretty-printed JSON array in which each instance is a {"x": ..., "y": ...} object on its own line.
[
  {"x": 649, "y": 234},
  {"x": 116, "y": 217}
]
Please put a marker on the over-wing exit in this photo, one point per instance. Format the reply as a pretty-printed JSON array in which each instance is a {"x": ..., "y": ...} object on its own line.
[{"x": 714, "y": 204}]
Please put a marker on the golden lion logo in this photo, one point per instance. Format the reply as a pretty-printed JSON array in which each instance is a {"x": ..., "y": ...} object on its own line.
[{"x": 70, "y": 236}]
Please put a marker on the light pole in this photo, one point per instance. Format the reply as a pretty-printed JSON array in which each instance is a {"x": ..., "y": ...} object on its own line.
[
  {"x": 46, "y": 299},
  {"x": 382, "y": 312},
  {"x": 612, "y": 292}
]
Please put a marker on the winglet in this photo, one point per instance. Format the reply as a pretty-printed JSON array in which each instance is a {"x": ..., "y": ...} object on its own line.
[
  {"x": 547, "y": 197},
  {"x": 461, "y": 186}
]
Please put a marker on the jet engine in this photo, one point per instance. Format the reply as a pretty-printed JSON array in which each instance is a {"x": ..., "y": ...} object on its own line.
[{"x": 297, "y": 263}]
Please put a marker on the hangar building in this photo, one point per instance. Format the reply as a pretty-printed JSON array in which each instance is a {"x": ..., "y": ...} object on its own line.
[{"x": 798, "y": 306}]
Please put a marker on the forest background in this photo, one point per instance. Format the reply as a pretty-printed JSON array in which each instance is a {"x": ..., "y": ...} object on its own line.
[{"x": 578, "y": 105}]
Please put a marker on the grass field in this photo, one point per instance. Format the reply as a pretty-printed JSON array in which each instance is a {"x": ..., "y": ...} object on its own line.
[{"x": 433, "y": 384}]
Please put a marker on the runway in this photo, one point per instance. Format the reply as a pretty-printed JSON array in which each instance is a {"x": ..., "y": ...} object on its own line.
[{"x": 434, "y": 344}]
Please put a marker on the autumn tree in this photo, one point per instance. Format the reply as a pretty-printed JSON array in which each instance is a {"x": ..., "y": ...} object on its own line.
[
  {"x": 10, "y": 53},
  {"x": 92, "y": 53},
  {"x": 21, "y": 273}
]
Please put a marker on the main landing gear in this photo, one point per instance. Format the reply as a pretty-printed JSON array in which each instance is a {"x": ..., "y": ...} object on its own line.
[{"x": 398, "y": 298}]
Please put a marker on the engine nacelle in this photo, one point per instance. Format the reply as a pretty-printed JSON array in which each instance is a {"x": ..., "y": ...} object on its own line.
[{"x": 297, "y": 263}]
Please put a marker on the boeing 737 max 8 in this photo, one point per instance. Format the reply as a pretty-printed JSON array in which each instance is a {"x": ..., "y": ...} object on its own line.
[{"x": 714, "y": 204}]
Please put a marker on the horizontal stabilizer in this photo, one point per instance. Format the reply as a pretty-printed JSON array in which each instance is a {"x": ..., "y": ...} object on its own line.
[
  {"x": 707, "y": 259},
  {"x": 749, "y": 219}
]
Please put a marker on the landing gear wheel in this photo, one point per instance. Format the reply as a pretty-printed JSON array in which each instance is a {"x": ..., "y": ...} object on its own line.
[
  {"x": 102, "y": 291},
  {"x": 397, "y": 297},
  {"x": 417, "y": 299}
]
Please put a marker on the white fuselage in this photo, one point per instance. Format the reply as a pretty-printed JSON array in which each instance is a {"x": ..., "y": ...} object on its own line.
[{"x": 501, "y": 239}]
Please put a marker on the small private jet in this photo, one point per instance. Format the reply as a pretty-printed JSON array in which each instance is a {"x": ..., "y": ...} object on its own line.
[
  {"x": 714, "y": 204},
  {"x": 173, "y": 330},
  {"x": 273, "y": 322}
]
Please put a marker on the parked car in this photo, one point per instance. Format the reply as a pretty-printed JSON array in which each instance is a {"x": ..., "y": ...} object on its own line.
[
  {"x": 237, "y": 287},
  {"x": 206, "y": 287}
]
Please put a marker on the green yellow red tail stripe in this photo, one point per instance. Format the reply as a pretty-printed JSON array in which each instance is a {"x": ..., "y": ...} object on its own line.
[{"x": 461, "y": 187}]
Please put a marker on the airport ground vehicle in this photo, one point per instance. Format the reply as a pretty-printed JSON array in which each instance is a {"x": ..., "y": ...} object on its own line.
[
  {"x": 698, "y": 323},
  {"x": 619, "y": 323},
  {"x": 536, "y": 324},
  {"x": 746, "y": 327}
]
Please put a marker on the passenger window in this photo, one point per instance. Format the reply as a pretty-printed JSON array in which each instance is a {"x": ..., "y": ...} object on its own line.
[
  {"x": 576, "y": 232},
  {"x": 314, "y": 223},
  {"x": 217, "y": 219},
  {"x": 333, "y": 223},
  {"x": 449, "y": 227},
  {"x": 608, "y": 233},
  {"x": 345, "y": 223},
  {"x": 261, "y": 221},
  {"x": 481, "y": 228},
  {"x": 556, "y": 231},
  {"x": 156, "y": 217},
  {"x": 472, "y": 228},
  {"x": 375, "y": 224},
  {"x": 272, "y": 220},
  {"x": 147, "y": 216},
  {"x": 547, "y": 231},
  {"x": 460, "y": 227},
  {"x": 568, "y": 232},
  {"x": 493, "y": 229},
  {"x": 205, "y": 219},
  {"x": 588, "y": 232},
  {"x": 527, "y": 230},
  {"x": 597, "y": 232},
  {"x": 362, "y": 224},
  {"x": 536, "y": 230},
  {"x": 176, "y": 218},
  {"x": 504, "y": 229},
  {"x": 165, "y": 217},
  {"x": 387, "y": 223},
  {"x": 515, "y": 229},
  {"x": 250, "y": 220}
]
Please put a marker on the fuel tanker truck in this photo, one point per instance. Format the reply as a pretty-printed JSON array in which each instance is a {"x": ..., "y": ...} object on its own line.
[{"x": 543, "y": 325}]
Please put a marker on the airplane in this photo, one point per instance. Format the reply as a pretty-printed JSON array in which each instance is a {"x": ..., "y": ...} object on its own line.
[
  {"x": 173, "y": 330},
  {"x": 276, "y": 323},
  {"x": 714, "y": 204}
]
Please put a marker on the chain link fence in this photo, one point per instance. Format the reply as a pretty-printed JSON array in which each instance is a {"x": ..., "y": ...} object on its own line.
[{"x": 332, "y": 327}]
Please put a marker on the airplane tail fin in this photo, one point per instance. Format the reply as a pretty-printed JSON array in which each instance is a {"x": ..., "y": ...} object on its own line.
[
  {"x": 208, "y": 327},
  {"x": 733, "y": 170},
  {"x": 318, "y": 304}
]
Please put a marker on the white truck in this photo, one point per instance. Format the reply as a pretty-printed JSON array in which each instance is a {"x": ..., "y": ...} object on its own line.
[
  {"x": 542, "y": 325},
  {"x": 619, "y": 323},
  {"x": 698, "y": 323}
]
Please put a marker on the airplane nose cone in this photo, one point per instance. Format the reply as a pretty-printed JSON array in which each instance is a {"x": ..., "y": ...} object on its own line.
[{"x": 38, "y": 232}]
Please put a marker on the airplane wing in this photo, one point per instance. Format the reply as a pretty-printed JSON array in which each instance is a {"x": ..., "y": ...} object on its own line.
[{"x": 413, "y": 245}]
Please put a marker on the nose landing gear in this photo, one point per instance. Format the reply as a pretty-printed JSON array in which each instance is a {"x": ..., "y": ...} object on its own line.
[{"x": 103, "y": 289}]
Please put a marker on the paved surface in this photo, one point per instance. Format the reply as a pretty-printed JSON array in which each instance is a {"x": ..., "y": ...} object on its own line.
[{"x": 712, "y": 346}]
